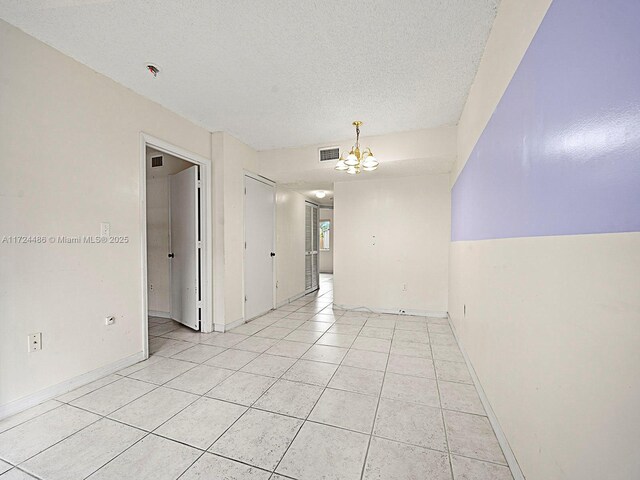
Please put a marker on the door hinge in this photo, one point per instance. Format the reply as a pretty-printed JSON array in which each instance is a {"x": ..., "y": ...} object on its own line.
[
  {"x": 199, "y": 244},
  {"x": 245, "y": 190},
  {"x": 199, "y": 183},
  {"x": 245, "y": 298},
  {"x": 245, "y": 245}
]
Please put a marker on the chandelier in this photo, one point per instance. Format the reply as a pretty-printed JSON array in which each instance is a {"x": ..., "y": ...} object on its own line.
[{"x": 357, "y": 161}]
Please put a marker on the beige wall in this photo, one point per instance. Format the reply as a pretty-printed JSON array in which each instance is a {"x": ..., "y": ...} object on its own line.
[
  {"x": 325, "y": 258},
  {"x": 70, "y": 159},
  {"x": 392, "y": 233},
  {"x": 290, "y": 218},
  {"x": 231, "y": 159},
  {"x": 551, "y": 324},
  {"x": 551, "y": 328}
]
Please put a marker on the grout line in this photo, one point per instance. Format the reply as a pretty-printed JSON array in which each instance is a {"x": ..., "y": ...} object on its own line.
[{"x": 375, "y": 413}]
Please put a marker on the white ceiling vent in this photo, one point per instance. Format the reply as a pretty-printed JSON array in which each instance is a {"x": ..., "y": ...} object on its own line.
[
  {"x": 329, "y": 154},
  {"x": 156, "y": 161}
]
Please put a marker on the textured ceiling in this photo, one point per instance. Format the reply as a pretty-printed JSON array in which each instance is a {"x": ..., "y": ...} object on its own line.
[{"x": 278, "y": 73}]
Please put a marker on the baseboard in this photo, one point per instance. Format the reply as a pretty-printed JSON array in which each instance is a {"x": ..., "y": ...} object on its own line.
[
  {"x": 516, "y": 471},
  {"x": 291, "y": 299},
  {"x": 393, "y": 311},
  {"x": 54, "y": 391},
  {"x": 157, "y": 313},
  {"x": 224, "y": 327}
]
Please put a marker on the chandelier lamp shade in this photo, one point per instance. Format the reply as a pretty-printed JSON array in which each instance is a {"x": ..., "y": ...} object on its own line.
[{"x": 357, "y": 161}]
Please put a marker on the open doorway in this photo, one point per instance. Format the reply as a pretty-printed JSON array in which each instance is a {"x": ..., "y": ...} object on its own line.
[
  {"x": 326, "y": 233},
  {"x": 176, "y": 241}
]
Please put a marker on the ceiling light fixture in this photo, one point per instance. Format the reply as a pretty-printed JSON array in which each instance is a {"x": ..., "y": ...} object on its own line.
[
  {"x": 357, "y": 161},
  {"x": 321, "y": 194}
]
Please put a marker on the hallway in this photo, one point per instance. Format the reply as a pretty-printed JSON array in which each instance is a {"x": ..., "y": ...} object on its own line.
[{"x": 306, "y": 391}]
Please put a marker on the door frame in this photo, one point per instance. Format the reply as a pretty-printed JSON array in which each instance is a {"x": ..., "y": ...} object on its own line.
[
  {"x": 271, "y": 183},
  {"x": 206, "y": 251},
  {"x": 313, "y": 204}
]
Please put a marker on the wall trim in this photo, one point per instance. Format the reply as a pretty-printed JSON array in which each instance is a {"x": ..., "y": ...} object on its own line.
[
  {"x": 291, "y": 299},
  {"x": 516, "y": 471},
  {"x": 394, "y": 311},
  {"x": 17, "y": 406},
  {"x": 225, "y": 327},
  {"x": 157, "y": 313}
]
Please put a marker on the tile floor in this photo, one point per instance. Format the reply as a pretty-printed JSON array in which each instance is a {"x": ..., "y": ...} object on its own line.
[{"x": 304, "y": 392}]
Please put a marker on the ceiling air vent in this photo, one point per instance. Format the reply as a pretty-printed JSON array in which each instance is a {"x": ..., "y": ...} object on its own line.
[
  {"x": 156, "y": 161},
  {"x": 329, "y": 154}
]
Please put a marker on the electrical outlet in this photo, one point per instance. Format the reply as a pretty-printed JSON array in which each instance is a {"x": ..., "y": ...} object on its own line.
[
  {"x": 109, "y": 320},
  {"x": 404, "y": 287},
  {"x": 105, "y": 229},
  {"x": 35, "y": 342}
]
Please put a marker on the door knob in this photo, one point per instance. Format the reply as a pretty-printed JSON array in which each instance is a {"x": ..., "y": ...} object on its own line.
[
  {"x": 273, "y": 254},
  {"x": 170, "y": 255}
]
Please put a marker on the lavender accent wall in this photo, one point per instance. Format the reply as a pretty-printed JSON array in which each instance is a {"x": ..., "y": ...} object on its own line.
[{"x": 561, "y": 153}]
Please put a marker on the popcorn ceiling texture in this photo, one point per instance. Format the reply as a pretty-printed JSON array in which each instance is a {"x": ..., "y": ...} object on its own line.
[{"x": 283, "y": 73}]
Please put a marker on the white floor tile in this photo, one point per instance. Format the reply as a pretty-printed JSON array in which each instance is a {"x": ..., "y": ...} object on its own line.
[
  {"x": 37, "y": 434},
  {"x": 472, "y": 436},
  {"x": 470, "y": 469},
  {"x": 213, "y": 467},
  {"x": 313, "y": 373},
  {"x": 357, "y": 380},
  {"x": 290, "y": 398},
  {"x": 411, "y": 423},
  {"x": 200, "y": 380},
  {"x": 202, "y": 422},
  {"x": 258, "y": 438},
  {"x": 353, "y": 411},
  {"x": 321, "y": 452},
  {"x": 81, "y": 454},
  {"x": 152, "y": 458},
  {"x": 392, "y": 460},
  {"x": 242, "y": 388},
  {"x": 113, "y": 396},
  {"x": 232, "y": 359},
  {"x": 153, "y": 409},
  {"x": 269, "y": 365}
]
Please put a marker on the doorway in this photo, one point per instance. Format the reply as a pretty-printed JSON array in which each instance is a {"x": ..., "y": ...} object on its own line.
[
  {"x": 175, "y": 240},
  {"x": 259, "y": 246},
  {"x": 311, "y": 270}
]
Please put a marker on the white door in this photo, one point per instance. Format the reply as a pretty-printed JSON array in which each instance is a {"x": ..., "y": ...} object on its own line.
[
  {"x": 259, "y": 247},
  {"x": 184, "y": 247},
  {"x": 311, "y": 273}
]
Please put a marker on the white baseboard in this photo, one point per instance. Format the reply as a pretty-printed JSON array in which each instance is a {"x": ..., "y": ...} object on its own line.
[
  {"x": 291, "y": 299},
  {"x": 54, "y": 391},
  {"x": 393, "y": 311},
  {"x": 516, "y": 471},
  {"x": 157, "y": 313},
  {"x": 224, "y": 327}
]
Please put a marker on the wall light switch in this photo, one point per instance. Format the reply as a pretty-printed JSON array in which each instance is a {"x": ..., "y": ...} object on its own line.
[{"x": 35, "y": 342}]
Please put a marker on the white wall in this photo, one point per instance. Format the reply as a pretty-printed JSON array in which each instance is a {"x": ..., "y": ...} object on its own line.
[
  {"x": 325, "y": 260},
  {"x": 70, "y": 159},
  {"x": 551, "y": 324},
  {"x": 290, "y": 218},
  {"x": 392, "y": 232},
  {"x": 231, "y": 159}
]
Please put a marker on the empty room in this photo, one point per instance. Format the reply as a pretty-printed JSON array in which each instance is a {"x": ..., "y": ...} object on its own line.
[{"x": 319, "y": 240}]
